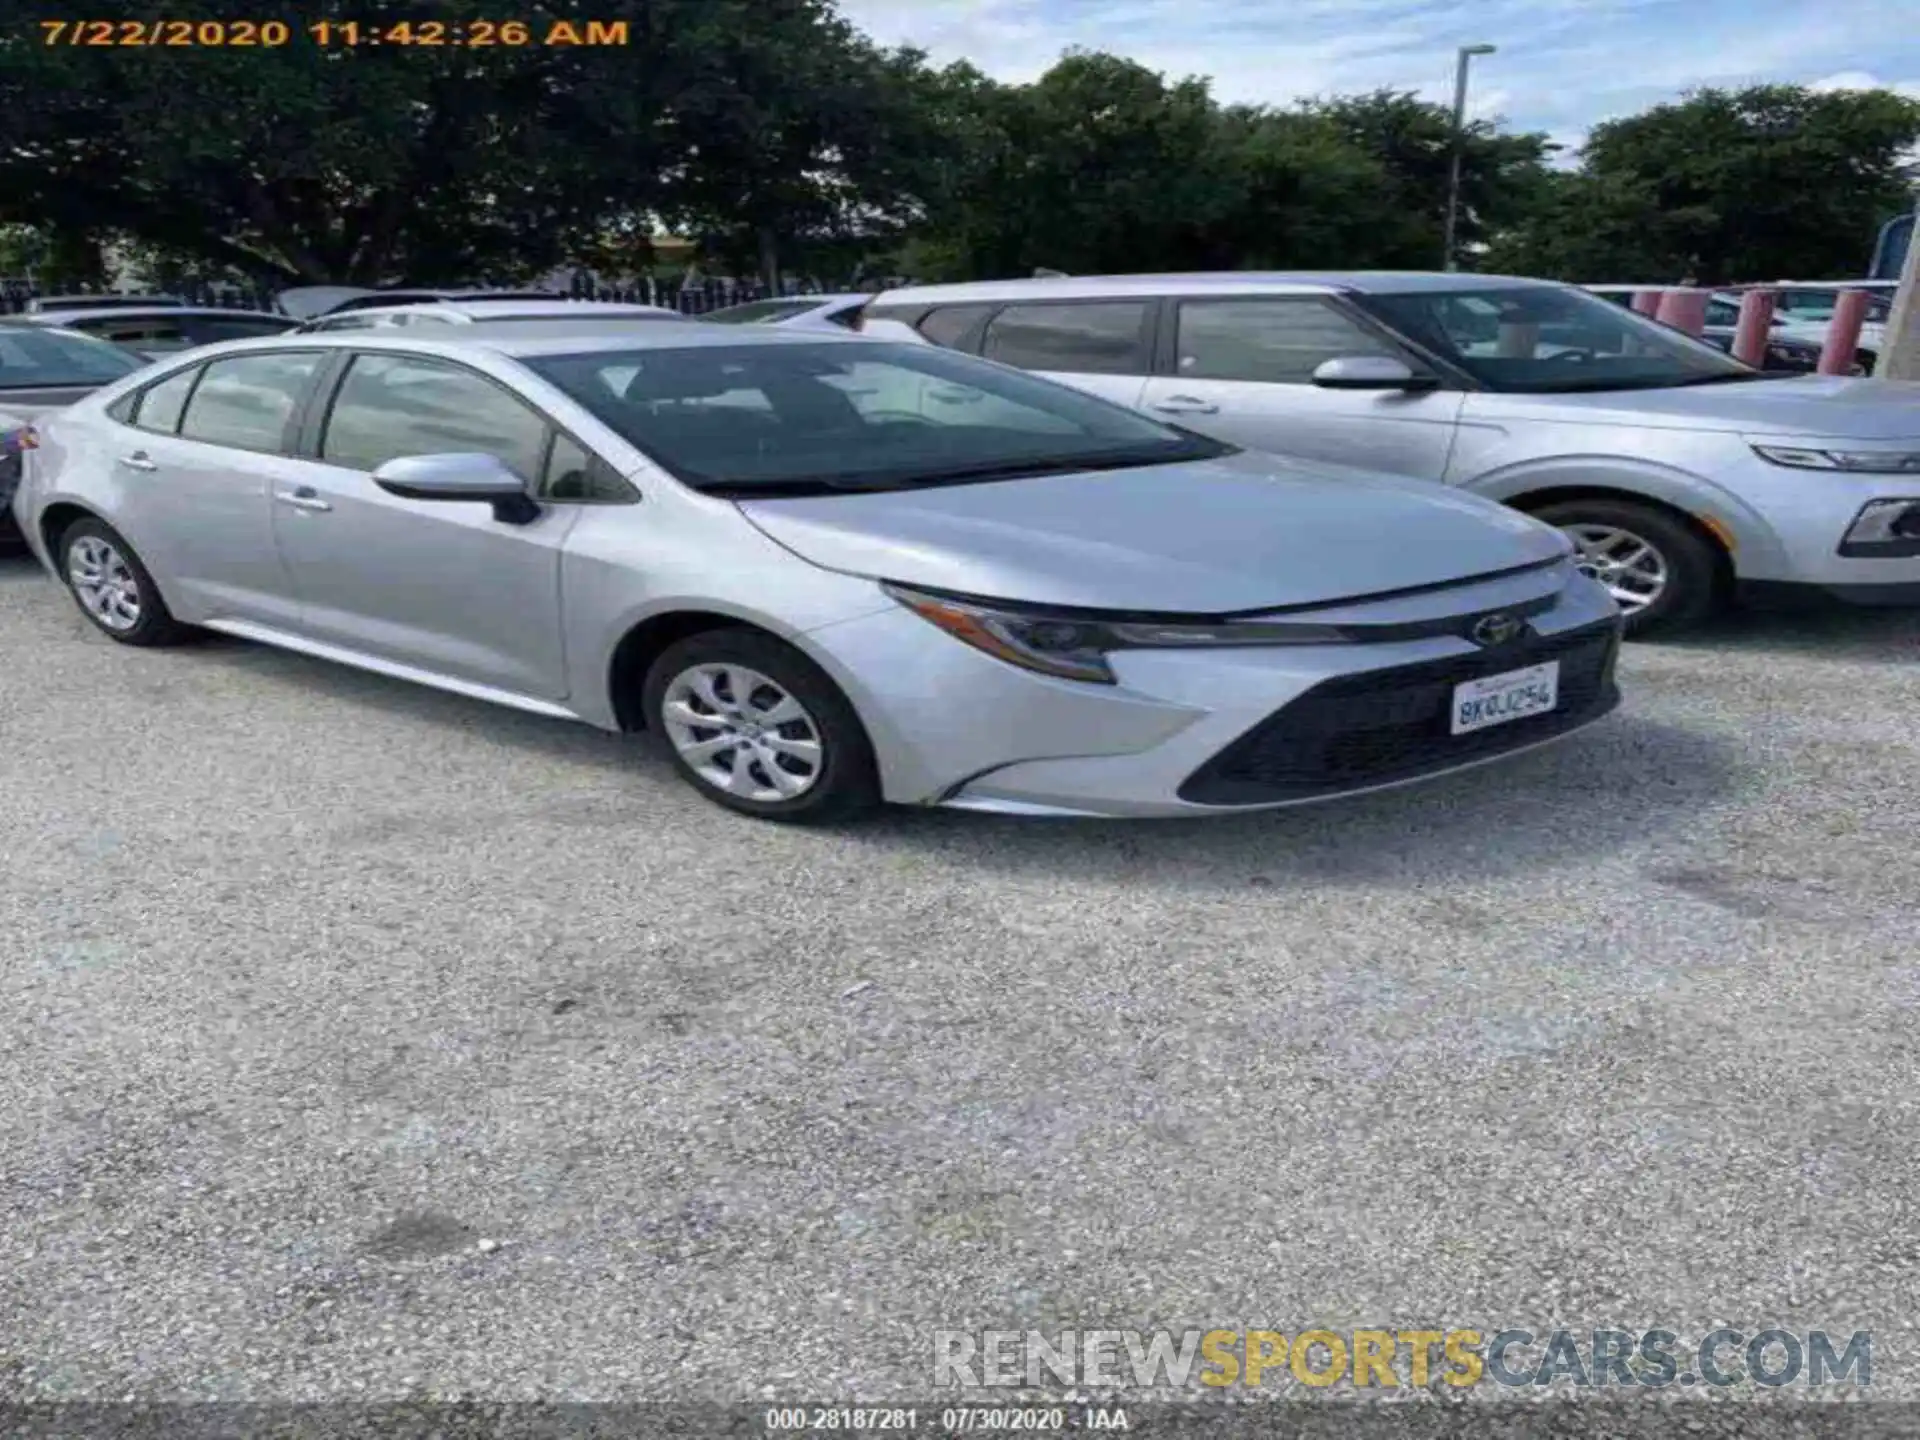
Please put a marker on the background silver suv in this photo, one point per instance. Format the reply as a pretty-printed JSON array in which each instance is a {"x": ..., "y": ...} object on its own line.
[{"x": 1679, "y": 472}]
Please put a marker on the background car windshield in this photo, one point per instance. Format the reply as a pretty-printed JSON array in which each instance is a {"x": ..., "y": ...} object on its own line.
[
  {"x": 33, "y": 358},
  {"x": 1542, "y": 339},
  {"x": 859, "y": 413}
]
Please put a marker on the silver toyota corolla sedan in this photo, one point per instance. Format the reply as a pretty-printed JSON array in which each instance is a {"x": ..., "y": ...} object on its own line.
[{"x": 827, "y": 571}]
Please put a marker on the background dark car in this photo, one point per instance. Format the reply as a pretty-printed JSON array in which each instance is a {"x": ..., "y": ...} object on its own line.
[
  {"x": 43, "y": 367},
  {"x": 154, "y": 330}
]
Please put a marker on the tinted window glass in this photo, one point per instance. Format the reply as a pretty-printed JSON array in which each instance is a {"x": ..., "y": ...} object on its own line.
[
  {"x": 1095, "y": 339},
  {"x": 574, "y": 473},
  {"x": 147, "y": 335},
  {"x": 247, "y": 401},
  {"x": 394, "y": 405},
  {"x": 835, "y": 414},
  {"x": 948, "y": 325},
  {"x": 346, "y": 322},
  {"x": 211, "y": 329},
  {"x": 32, "y": 356},
  {"x": 159, "y": 406},
  {"x": 1281, "y": 341}
]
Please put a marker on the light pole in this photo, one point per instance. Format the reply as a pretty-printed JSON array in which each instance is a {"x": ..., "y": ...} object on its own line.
[{"x": 1467, "y": 52}]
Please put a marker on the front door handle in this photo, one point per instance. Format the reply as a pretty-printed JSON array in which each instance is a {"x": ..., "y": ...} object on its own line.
[
  {"x": 1185, "y": 405},
  {"x": 304, "y": 498},
  {"x": 138, "y": 461}
]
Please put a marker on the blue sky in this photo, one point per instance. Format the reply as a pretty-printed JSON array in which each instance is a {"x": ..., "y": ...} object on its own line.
[{"x": 1562, "y": 64}]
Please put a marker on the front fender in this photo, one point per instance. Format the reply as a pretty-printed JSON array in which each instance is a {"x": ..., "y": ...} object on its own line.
[{"x": 1756, "y": 544}]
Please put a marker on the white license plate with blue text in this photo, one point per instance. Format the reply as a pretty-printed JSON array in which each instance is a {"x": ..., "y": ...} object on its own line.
[{"x": 1510, "y": 695}]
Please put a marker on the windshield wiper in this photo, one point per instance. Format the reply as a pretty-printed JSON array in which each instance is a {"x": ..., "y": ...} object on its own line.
[{"x": 789, "y": 485}]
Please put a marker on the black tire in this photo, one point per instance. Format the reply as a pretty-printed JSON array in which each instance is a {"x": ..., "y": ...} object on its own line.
[
  {"x": 1695, "y": 585},
  {"x": 1865, "y": 360},
  {"x": 155, "y": 625},
  {"x": 845, "y": 781}
]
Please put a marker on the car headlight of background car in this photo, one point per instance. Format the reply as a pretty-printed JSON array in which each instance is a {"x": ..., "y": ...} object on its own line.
[
  {"x": 1860, "y": 462},
  {"x": 1075, "y": 648}
]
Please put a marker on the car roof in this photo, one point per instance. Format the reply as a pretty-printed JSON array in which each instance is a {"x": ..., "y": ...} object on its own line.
[
  {"x": 1311, "y": 282},
  {"x": 559, "y": 338},
  {"x": 138, "y": 312}
]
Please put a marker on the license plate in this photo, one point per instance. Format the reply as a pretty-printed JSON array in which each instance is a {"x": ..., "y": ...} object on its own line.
[{"x": 1511, "y": 695}]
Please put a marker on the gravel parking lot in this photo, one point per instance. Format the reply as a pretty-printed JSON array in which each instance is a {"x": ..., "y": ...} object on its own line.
[{"x": 364, "y": 1041}]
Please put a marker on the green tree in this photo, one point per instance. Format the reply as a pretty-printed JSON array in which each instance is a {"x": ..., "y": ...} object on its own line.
[
  {"x": 1411, "y": 141},
  {"x": 1766, "y": 183},
  {"x": 380, "y": 163}
]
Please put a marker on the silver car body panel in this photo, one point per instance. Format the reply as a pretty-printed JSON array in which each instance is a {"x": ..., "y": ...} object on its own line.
[
  {"x": 533, "y": 616},
  {"x": 1690, "y": 448}
]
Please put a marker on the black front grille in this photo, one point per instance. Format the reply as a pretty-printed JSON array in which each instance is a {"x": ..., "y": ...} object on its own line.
[{"x": 1379, "y": 726}]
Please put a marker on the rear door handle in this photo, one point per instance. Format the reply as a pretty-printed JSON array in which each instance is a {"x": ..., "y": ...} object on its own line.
[
  {"x": 304, "y": 498},
  {"x": 138, "y": 461},
  {"x": 1185, "y": 405}
]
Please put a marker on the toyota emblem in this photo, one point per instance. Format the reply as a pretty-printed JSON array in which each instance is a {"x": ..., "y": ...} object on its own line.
[{"x": 1491, "y": 630}]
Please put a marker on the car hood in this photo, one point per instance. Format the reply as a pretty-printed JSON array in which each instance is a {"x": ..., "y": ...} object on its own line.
[
  {"x": 1207, "y": 537},
  {"x": 1839, "y": 406}
]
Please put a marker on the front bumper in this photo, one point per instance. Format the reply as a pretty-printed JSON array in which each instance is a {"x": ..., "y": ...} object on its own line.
[
  {"x": 1806, "y": 515},
  {"x": 1208, "y": 732}
]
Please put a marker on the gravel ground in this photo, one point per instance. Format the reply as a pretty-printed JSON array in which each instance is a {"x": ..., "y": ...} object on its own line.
[{"x": 362, "y": 1041}]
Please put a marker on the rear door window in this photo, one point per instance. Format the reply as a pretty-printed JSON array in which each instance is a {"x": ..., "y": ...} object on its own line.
[
  {"x": 1106, "y": 337},
  {"x": 159, "y": 407},
  {"x": 249, "y": 401}
]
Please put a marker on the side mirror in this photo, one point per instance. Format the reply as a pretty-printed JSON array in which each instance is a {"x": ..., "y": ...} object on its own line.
[
  {"x": 1370, "y": 372},
  {"x": 475, "y": 479}
]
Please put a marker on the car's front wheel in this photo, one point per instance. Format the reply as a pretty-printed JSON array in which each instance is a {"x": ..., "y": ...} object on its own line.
[
  {"x": 756, "y": 726},
  {"x": 113, "y": 589},
  {"x": 1661, "y": 573}
]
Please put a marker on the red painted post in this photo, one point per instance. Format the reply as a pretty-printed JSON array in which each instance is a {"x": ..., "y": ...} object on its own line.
[
  {"x": 1756, "y": 324},
  {"x": 1684, "y": 310},
  {"x": 1646, "y": 302},
  {"x": 1843, "y": 333}
]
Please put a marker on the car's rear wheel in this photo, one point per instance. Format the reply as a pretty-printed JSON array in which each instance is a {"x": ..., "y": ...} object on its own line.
[
  {"x": 112, "y": 588},
  {"x": 757, "y": 727},
  {"x": 1662, "y": 574}
]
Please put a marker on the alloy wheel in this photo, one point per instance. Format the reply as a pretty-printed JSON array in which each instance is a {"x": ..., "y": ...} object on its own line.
[
  {"x": 104, "y": 583},
  {"x": 742, "y": 733},
  {"x": 1632, "y": 568}
]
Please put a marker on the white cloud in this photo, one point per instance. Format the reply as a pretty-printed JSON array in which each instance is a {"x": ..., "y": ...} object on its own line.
[{"x": 1562, "y": 64}]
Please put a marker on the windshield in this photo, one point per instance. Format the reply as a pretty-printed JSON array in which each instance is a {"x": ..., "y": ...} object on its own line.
[
  {"x": 760, "y": 312},
  {"x": 32, "y": 358},
  {"x": 1541, "y": 339},
  {"x": 761, "y": 419}
]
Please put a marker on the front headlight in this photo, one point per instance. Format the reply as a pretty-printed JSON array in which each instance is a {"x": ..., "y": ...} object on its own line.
[
  {"x": 1072, "y": 647},
  {"x": 1860, "y": 462}
]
